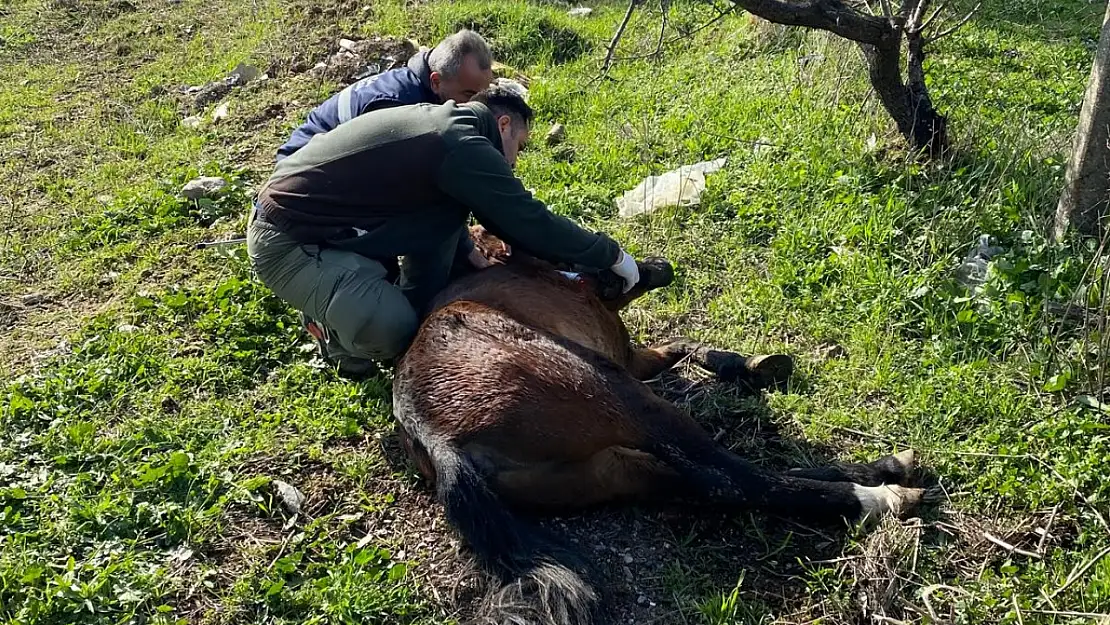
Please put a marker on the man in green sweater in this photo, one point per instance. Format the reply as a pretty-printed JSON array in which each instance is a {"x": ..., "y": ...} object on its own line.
[{"x": 403, "y": 182}]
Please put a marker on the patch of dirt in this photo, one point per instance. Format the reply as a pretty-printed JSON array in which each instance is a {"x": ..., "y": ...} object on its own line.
[
  {"x": 31, "y": 335},
  {"x": 212, "y": 571},
  {"x": 357, "y": 59}
]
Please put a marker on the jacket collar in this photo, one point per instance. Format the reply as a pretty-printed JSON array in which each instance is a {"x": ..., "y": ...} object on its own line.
[
  {"x": 487, "y": 124},
  {"x": 418, "y": 65}
]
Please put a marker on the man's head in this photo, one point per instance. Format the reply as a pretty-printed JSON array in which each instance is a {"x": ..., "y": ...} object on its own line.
[
  {"x": 461, "y": 65},
  {"x": 513, "y": 115}
]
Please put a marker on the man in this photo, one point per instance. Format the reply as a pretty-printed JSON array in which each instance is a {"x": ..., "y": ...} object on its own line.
[
  {"x": 456, "y": 69},
  {"x": 403, "y": 182}
]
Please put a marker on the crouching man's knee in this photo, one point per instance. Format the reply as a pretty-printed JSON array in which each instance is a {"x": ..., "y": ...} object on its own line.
[{"x": 387, "y": 335}]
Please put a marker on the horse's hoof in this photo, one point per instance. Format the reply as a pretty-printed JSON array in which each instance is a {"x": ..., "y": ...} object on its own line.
[
  {"x": 907, "y": 460},
  {"x": 899, "y": 501},
  {"x": 770, "y": 371},
  {"x": 899, "y": 468},
  {"x": 655, "y": 273}
]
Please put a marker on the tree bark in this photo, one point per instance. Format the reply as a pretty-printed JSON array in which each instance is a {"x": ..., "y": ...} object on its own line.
[{"x": 1087, "y": 180}]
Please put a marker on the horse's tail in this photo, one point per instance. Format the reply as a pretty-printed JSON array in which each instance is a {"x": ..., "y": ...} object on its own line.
[{"x": 542, "y": 581}]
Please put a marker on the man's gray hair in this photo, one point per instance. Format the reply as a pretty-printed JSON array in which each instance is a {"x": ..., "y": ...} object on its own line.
[{"x": 447, "y": 57}]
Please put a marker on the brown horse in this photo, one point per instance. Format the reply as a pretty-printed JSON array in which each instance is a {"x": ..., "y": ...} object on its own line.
[{"x": 522, "y": 391}]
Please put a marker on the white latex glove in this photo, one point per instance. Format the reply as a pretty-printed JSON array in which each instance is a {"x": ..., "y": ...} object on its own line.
[{"x": 626, "y": 268}]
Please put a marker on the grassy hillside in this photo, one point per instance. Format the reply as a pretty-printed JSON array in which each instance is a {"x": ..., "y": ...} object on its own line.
[{"x": 152, "y": 393}]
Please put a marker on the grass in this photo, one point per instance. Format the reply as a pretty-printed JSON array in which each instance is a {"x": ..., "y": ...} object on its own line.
[{"x": 155, "y": 392}]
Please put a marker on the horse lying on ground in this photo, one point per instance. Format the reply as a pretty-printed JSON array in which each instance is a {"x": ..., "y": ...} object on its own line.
[{"x": 522, "y": 392}]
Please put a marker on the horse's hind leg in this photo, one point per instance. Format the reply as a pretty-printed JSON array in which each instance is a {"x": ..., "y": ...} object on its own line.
[
  {"x": 716, "y": 475},
  {"x": 896, "y": 469},
  {"x": 758, "y": 372}
]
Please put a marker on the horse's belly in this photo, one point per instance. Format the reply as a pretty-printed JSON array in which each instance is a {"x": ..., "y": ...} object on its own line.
[{"x": 612, "y": 474}]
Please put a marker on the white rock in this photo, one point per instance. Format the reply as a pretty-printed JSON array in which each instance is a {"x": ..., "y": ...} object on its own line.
[
  {"x": 580, "y": 11},
  {"x": 347, "y": 44},
  {"x": 556, "y": 135},
  {"x": 290, "y": 497},
  {"x": 127, "y": 328},
  {"x": 243, "y": 73},
  {"x": 192, "y": 122},
  {"x": 203, "y": 187},
  {"x": 221, "y": 112}
]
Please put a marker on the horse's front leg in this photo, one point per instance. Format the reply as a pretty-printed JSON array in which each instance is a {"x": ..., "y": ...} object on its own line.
[{"x": 757, "y": 372}]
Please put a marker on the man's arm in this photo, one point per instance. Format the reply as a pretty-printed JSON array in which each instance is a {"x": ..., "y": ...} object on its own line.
[{"x": 476, "y": 174}]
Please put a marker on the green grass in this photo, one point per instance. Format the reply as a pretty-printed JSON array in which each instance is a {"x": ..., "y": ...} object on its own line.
[{"x": 157, "y": 393}]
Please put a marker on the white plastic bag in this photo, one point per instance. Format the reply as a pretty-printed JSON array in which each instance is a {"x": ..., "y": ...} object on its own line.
[{"x": 679, "y": 187}]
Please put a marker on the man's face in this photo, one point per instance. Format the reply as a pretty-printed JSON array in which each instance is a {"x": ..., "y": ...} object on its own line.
[
  {"x": 513, "y": 139},
  {"x": 470, "y": 80}
]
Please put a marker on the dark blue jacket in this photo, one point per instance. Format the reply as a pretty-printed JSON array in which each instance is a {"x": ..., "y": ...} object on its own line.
[{"x": 397, "y": 87}]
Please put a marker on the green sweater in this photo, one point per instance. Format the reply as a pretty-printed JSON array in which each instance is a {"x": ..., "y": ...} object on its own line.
[{"x": 402, "y": 181}]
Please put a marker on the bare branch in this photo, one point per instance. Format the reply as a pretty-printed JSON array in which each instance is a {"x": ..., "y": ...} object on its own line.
[
  {"x": 1008, "y": 547},
  {"x": 685, "y": 35},
  {"x": 887, "y": 12},
  {"x": 915, "y": 16},
  {"x": 719, "y": 10},
  {"x": 929, "y": 21},
  {"x": 958, "y": 25},
  {"x": 665, "y": 7},
  {"x": 831, "y": 15},
  {"x": 617, "y": 35}
]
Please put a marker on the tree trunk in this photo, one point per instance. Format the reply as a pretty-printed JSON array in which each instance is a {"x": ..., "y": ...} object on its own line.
[
  {"x": 880, "y": 38},
  {"x": 1087, "y": 181},
  {"x": 907, "y": 104}
]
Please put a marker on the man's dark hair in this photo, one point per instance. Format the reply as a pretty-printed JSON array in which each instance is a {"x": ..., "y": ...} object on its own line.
[{"x": 503, "y": 100}]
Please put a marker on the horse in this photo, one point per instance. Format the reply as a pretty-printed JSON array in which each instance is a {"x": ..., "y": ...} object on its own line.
[{"x": 522, "y": 395}]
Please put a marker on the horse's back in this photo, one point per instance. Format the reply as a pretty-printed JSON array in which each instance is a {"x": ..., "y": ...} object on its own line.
[
  {"x": 544, "y": 300},
  {"x": 483, "y": 379}
]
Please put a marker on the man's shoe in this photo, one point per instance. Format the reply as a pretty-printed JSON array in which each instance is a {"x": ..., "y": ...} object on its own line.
[{"x": 355, "y": 369}]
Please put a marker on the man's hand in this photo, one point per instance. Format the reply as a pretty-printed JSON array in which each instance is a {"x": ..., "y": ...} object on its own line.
[{"x": 626, "y": 268}]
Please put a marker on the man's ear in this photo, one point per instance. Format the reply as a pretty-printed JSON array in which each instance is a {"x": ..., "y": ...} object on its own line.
[
  {"x": 504, "y": 123},
  {"x": 435, "y": 79}
]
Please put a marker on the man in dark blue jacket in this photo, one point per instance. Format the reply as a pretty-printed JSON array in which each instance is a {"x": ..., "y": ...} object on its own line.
[{"x": 456, "y": 69}]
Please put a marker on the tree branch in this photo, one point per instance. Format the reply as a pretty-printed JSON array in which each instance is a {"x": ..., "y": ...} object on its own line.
[
  {"x": 929, "y": 22},
  {"x": 685, "y": 35},
  {"x": 665, "y": 7},
  {"x": 915, "y": 16},
  {"x": 831, "y": 15},
  {"x": 953, "y": 29},
  {"x": 617, "y": 35}
]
